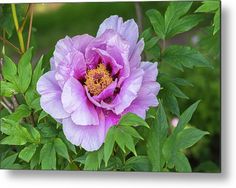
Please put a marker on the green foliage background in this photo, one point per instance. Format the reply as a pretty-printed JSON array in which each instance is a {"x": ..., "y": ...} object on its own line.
[{"x": 55, "y": 21}]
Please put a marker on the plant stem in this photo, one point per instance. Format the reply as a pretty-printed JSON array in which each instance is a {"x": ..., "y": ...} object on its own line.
[
  {"x": 5, "y": 106},
  {"x": 10, "y": 44},
  {"x": 163, "y": 45},
  {"x": 139, "y": 15},
  {"x": 7, "y": 103},
  {"x": 19, "y": 33},
  {"x": 31, "y": 118},
  {"x": 15, "y": 102},
  {"x": 30, "y": 25},
  {"x": 3, "y": 46},
  {"x": 25, "y": 19}
]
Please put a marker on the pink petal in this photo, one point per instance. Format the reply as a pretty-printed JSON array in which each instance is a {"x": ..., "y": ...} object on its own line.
[
  {"x": 50, "y": 93},
  {"x": 80, "y": 42},
  {"x": 150, "y": 70},
  {"x": 128, "y": 30},
  {"x": 135, "y": 58},
  {"x": 88, "y": 137},
  {"x": 147, "y": 94},
  {"x": 111, "y": 119},
  {"x": 75, "y": 101},
  {"x": 62, "y": 48},
  {"x": 107, "y": 92},
  {"x": 128, "y": 92},
  {"x": 73, "y": 65}
]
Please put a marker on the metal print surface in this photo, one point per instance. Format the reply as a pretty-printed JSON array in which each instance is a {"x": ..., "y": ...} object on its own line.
[{"x": 118, "y": 86}]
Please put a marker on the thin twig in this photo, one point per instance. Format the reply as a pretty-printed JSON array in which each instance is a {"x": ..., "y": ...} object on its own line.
[
  {"x": 139, "y": 15},
  {"x": 10, "y": 44},
  {"x": 5, "y": 106},
  {"x": 30, "y": 25},
  {"x": 31, "y": 117},
  {"x": 25, "y": 19},
  {"x": 14, "y": 101},
  {"x": 3, "y": 46},
  {"x": 7, "y": 103},
  {"x": 163, "y": 45},
  {"x": 19, "y": 33}
]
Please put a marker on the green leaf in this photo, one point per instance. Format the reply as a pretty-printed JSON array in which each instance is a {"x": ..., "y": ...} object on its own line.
[
  {"x": 131, "y": 131},
  {"x": 189, "y": 137},
  {"x": 155, "y": 140},
  {"x": 216, "y": 23},
  {"x": 109, "y": 144},
  {"x": 169, "y": 149},
  {"x": 184, "y": 24},
  {"x": 151, "y": 43},
  {"x": 18, "y": 135},
  {"x": 131, "y": 119},
  {"x": 6, "y": 21},
  {"x": 47, "y": 131},
  {"x": 130, "y": 143},
  {"x": 35, "y": 159},
  {"x": 138, "y": 163},
  {"x": 8, "y": 162},
  {"x": 176, "y": 91},
  {"x": 178, "y": 56},
  {"x": 146, "y": 34},
  {"x": 207, "y": 166},
  {"x": 121, "y": 139},
  {"x": 21, "y": 112},
  {"x": 174, "y": 11},
  {"x": 42, "y": 115},
  {"x": 61, "y": 148},
  {"x": 7, "y": 89},
  {"x": 38, "y": 71},
  {"x": 185, "y": 117},
  {"x": 70, "y": 146},
  {"x": 48, "y": 157},
  {"x": 171, "y": 103},
  {"x": 124, "y": 139},
  {"x": 27, "y": 153},
  {"x": 208, "y": 6},
  {"x": 182, "y": 82},
  {"x": 25, "y": 70},
  {"x": 181, "y": 163},
  {"x": 35, "y": 135},
  {"x": 157, "y": 21},
  {"x": 93, "y": 160},
  {"x": 9, "y": 69}
]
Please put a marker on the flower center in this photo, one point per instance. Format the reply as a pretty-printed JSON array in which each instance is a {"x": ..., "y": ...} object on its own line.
[{"x": 97, "y": 79}]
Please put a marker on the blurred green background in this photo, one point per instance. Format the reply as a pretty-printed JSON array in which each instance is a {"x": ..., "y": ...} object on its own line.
[{"x": 54, "y": 21}]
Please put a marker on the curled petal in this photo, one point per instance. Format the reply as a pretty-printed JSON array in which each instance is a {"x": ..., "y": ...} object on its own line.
[
  {"x": 147, "y": 94},
  {"x": 135, "y": 58},
  {"x": 73, "y": 65},
  {"x": 108, "y": 92},
  {"x": 150, "y": 70},
  {"x": 128, "y": 92},
  {"x": 128, "y": 30},
  {"x": 62, "y": 48},
  {"x": 108, "y": 60}
]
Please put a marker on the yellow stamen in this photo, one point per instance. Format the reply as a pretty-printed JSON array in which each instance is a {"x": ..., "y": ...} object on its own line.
[{"x": 97, "y": 79}]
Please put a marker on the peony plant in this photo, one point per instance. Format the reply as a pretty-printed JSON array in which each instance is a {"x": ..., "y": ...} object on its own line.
[{"x": 93, "y": 82}]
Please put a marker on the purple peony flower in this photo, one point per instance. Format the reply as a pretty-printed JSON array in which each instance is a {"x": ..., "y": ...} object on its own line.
[{"x": 94, "y": 81}]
